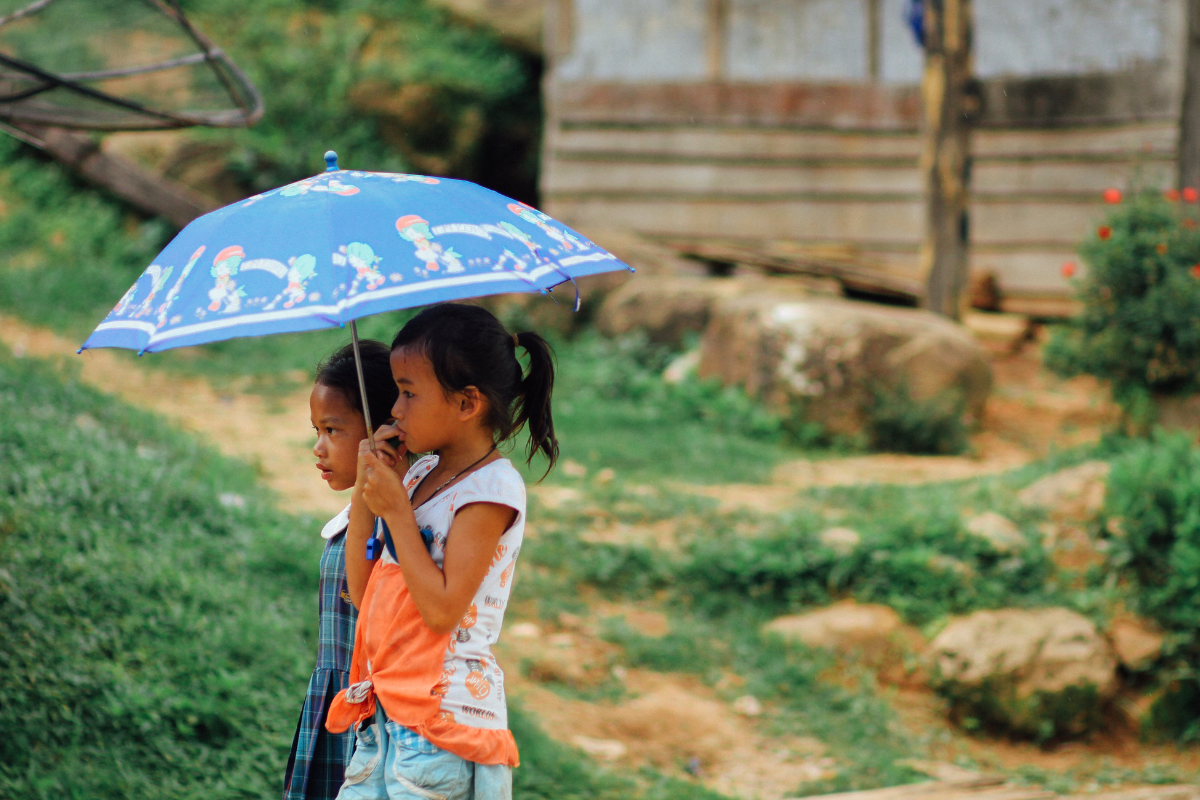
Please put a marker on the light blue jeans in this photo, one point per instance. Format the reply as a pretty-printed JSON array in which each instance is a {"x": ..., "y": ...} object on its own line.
[{"x": 392, "y": 763}]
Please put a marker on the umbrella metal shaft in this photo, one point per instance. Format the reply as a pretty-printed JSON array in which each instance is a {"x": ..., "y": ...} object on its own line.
[{"x": 362, "y": 386}]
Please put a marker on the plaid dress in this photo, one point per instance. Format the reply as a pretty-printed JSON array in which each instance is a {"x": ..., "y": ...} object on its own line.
[{"x": 318, "y": 760}]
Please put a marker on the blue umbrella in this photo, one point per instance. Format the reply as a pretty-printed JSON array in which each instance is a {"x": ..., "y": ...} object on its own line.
[
  {"x": 341, "y": 245},
  {"x": 338, "y": 246}
]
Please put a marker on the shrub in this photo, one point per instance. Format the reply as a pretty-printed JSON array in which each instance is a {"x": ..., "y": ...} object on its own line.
[
  {"x": 900, "y": 423},
  {"x": 1141, "y": 298},
  {"x": 1152, "y": 519}
]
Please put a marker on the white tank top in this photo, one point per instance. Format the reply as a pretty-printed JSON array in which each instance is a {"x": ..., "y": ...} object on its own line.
[{"x": 472, "y": 684}]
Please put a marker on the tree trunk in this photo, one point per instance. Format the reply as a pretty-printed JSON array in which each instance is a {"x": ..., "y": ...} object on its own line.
[
  {"x": 1189, "y": 118},
  {"x": 950, "y": 105},
  {"x": 127, "y": 180}
]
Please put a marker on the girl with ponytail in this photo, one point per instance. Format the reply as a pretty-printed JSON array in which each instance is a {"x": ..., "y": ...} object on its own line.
[{"x": 426, "y": 696}]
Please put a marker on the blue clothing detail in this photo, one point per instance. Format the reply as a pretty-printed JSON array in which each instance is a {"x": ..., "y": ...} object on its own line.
[
  {"x": 392, "y": 762},
  {"x": 316, "y": 766}
]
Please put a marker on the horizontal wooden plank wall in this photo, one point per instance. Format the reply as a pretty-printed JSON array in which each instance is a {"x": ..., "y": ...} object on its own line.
[{"x": 1036, "y": 192}]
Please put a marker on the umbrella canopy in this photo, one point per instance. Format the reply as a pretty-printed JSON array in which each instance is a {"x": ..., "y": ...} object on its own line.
[{"x": 341, "y": 245}]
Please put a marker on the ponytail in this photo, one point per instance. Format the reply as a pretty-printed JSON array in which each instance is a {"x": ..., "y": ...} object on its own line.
[
  {"x": 534, "y": 403},
  {"x": 467, "y": 346}
]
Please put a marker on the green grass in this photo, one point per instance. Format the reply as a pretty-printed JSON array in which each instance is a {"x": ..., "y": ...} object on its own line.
[{"x": 154, "y": 641}]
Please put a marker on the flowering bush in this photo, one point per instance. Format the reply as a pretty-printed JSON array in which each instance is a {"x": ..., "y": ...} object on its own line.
[{"x": 1140, "y": 324}]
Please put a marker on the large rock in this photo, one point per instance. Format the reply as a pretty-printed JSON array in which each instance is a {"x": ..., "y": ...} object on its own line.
[
  {"x": 1136, "y": 642},
  {"x": 832, "y": 356},
  {"x": 1074, "y": 493},
  {"x": 1043, "y": 673},
  {"x": 667, "y": 307},
  {"x": 518, "y": 21},
  {"x": 850, "y": 628}
]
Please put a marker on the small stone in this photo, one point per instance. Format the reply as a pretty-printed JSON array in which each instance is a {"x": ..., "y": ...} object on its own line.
[
  {"x": 605, "y": 475},
  {"x": 86, "y": 422},
  {"x": 231, "y": 500},
  {"x": 842, "y": 541},
  {"x": 693, "y": 766},
  {"x": 619, "y": 672},
  {"x": 573, "y": 469},
  {"x": 603, "y": 749},
  {"x": 569, "y": 620},
  {"x": 999, "y": 531},
  {"x": 524, "y": 630},
  {"x": 1074, "y": 493},
  {"x": 561, "y": 640},
  {"x": 748, "y": 706},
  {"x": 682, "y": 367}
]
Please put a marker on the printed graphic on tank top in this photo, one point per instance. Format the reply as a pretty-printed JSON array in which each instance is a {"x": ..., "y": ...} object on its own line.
[{"x": 471, "y": 687}]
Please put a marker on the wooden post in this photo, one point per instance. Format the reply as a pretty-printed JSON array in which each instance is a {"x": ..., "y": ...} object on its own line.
[
  {"x": 1189, "y": 118},
  {"x": 718, "y": 11},
  {"x": 950, "y": 105}
]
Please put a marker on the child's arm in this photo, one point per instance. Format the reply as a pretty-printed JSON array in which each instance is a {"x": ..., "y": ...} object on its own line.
[
  {"x": 362, "y": 524},
  {"x": 442, "y": 596}
]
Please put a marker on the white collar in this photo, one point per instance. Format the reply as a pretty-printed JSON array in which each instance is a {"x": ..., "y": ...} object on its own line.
[{"x": 337, "y": 524}]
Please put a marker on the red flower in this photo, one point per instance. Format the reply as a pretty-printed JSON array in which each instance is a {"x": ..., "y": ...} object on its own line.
[
  {"x": 1068, "y": 269},
  {"x": 1172, "y": 195},
  {"x": 1190, "y": 194},
  {"x": 1161, "y": 248},
  {"x": 1195, "y": 270},
  {"x": 1105, "y": 232},
  {"x": 1112, "y": 196}
]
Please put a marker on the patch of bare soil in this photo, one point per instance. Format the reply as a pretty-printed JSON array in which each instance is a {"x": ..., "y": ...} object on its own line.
[
  {"x": 1113, "y": 749},
  {"x": 669, "y": 721},
  {"x": 1029, "y": 414},
  {"x": 274, "y": 434}
]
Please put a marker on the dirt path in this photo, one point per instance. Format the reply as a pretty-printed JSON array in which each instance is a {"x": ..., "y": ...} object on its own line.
[
  {"x": 664, "y": 720},
  {"x": 272, "y": 433}
]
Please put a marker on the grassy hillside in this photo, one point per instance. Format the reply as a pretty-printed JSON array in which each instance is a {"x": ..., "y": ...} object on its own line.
[{"x": 157, "y": 614}]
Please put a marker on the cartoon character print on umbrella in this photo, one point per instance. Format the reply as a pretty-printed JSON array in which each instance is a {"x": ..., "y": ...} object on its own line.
[
  {"x": 535, "y": 217},
  {"x": 396, "y": 177},
  {"x": 169, "y": 300},
  {"x": 478, "y": 682},
  {"x": 524, "y": 238},
  {"x": 300, "y": 270},
  {"x": 126, "y": 300},
  {"x": 362, "y": 257},
  {"x": 432, "y": 255},
  {"x": 158, "y": 279},
  {"x": 319, "y": 184},
  {"x": 225, "y": 291}
]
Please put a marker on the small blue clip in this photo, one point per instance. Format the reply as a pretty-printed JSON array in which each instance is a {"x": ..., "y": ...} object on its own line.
[{"x": 373, "y": 548}]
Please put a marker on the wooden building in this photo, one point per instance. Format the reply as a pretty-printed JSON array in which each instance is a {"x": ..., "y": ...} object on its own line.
[{"x": 790, "y": 128}]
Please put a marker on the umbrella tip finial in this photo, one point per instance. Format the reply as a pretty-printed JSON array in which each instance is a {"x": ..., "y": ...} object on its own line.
[{"x": 330, "y": 161}]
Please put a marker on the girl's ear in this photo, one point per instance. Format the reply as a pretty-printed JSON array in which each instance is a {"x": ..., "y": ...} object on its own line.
[{"x": 471, "y": 404}]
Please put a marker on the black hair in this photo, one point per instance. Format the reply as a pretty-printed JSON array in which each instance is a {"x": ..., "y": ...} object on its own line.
[
  {"x": 468, "y": 346},
  {"x": 339, "y": 373}
]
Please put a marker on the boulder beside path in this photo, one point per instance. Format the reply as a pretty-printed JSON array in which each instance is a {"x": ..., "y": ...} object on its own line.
[
  {"x": 1040, "y": 673},
  {"x": 833, "y": 357}
]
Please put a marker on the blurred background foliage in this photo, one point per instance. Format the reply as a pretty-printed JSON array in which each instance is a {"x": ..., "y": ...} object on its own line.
[{"x": 395, "y": 85}]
